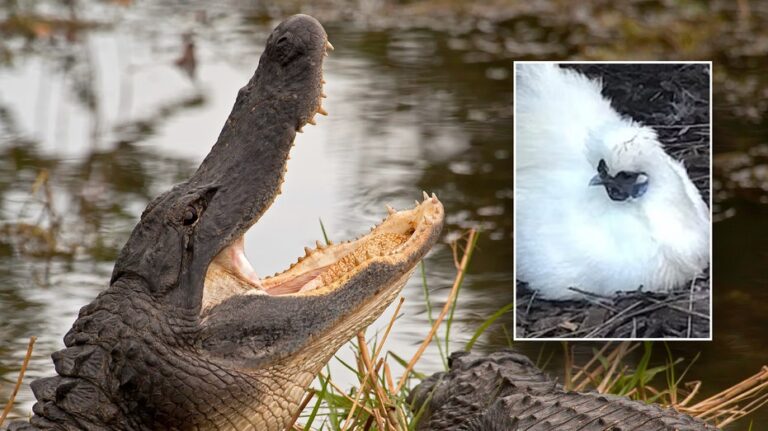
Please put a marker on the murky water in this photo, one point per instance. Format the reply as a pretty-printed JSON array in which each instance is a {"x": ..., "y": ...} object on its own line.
[{"x": 106, "y": 114}]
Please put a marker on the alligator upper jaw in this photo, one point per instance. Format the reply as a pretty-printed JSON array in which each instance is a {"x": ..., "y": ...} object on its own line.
[{"x": 401, "y": 237}]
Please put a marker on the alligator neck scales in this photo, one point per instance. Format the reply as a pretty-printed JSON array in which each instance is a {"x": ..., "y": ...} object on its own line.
[{"x": 187, "y": 336}]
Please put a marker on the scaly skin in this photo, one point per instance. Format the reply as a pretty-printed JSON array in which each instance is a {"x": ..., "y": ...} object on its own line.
[
  {"x": 504, "y": 391},
  {"x": 185, "y": 337}
]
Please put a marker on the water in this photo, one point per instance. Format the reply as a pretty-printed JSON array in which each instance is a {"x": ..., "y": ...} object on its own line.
[{"x": 110, "y": 118}]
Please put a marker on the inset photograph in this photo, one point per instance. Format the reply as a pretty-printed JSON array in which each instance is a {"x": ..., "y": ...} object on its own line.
[{"x": 612, "y": 205}]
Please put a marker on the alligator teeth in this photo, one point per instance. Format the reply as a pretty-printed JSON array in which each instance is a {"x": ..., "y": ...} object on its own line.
[
  {"x": 312, "y": 121},
  {"x": 424, "y": 195},
  {"x": 323, "y": 81},
  {"x": 307, "y": 251},
  {"x": 323, "y": 95},
  {"x": 390, "y": 210},
  {"x": 300, "y": 130},
  {"x": 321, "y": 111},
  {"x": 417, "y": 203},
  {"x": 319, "y": 245},
  {"x": 328, "y": 45}
]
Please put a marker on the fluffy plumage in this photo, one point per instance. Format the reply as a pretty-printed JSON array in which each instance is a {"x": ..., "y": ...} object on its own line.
[{"x": 599, "y": 204}]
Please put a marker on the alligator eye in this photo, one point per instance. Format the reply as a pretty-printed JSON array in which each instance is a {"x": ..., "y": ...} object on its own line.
[{"x": 190, "y": 216}]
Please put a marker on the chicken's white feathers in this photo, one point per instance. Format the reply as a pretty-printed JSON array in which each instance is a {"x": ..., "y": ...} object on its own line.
[{"x": 571, "y": 234}]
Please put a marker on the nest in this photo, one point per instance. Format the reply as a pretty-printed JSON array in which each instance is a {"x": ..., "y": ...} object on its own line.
[
  {"x": 680, "y": 313},
  {"x": 674, "y": 100}
]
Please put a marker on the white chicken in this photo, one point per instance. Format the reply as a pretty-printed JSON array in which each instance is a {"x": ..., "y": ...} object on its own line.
[{"x": 599, "y": 205}]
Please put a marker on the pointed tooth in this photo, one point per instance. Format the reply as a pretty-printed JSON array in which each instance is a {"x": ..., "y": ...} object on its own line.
[
  {"x": 424, "y": 195},
  {"x": 390, "y": 210},
  {"x": 307, "y": 251},
  {"x": 323, "y": 81},
  {"x": 319, "y": 245},
  {"x": 328, "y": 45},
  {"x": 300, "y": 130},
  {"x": 323, "y": 95},
  {"x": 417, "y": 203},
  {"x": 330, "y": 242},
  {"x": 312, "y": 121},
  {"x": 321, "y": 111}
]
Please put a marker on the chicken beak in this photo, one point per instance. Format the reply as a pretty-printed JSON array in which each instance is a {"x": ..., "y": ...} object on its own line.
[{"x": 596, "y": 181}]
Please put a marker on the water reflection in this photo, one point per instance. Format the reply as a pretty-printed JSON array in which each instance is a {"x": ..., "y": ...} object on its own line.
[{"x": 96, "y": 100}]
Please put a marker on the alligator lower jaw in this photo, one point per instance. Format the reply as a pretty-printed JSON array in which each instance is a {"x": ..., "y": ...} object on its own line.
[{"x": 325, "y": 268}]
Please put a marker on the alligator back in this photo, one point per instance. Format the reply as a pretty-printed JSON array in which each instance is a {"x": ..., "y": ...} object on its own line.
[{"x": 504, "y": 391}]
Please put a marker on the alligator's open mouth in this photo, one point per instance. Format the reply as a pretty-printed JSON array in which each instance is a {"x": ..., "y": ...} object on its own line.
[
  {"x": 326, "y": 267},
  {"x": 391, "y": 249}
]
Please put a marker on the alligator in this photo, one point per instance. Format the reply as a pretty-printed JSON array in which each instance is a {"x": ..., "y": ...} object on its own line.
[
  {"x": 505, "y": 391},
  {"x": 186, "y": 336}
]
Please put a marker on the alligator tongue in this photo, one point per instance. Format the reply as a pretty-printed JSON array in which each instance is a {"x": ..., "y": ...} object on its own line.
[
  {"x": 233, "y": 259},
  {"x": 297, "y": 284}
]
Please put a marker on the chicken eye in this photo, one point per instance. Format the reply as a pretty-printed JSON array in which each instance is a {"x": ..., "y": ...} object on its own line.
[
  {"x": 640, "y": 187},
  {"x": 190, "y": 216}
]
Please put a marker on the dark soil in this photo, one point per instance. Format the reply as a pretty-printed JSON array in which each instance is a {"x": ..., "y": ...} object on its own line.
[{"x": 674, "y": 99}]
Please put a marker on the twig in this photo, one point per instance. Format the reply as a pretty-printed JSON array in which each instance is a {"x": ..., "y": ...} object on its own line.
[
  {"x": 694, "y": 391},
  {"x": 689, "y": 330},
  {"x": 302, "y": 406},
  {"x": 368, "y": 364},
  {"x": 388, "y": 377},
  {"x": 462, "y": 267},
  {"x": 668, "y": 303},
  {"x": 610, "y": 322},
  {"x": 588, "y": 293},
  {"x": 344, "y": 394},
  {"x": 605, "y": 384},
  {"x": 23, "y": 369},
  {"x": 530, "y": 303},
  {"x": 568, "y": 365},
  {"x": 591, "y": 361},
  {"x": 369, "y": 374},
  {"x": 681, "y": 126}
]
